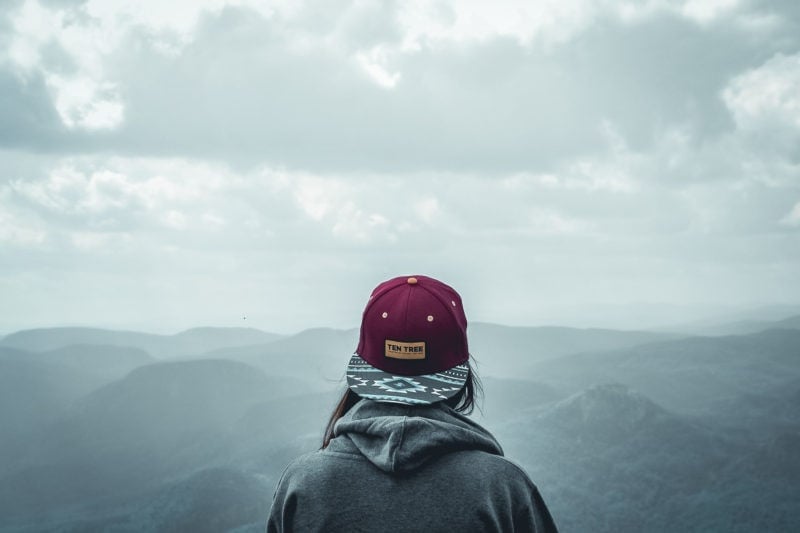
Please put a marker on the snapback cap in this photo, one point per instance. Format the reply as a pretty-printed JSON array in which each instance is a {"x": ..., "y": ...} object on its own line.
[{"x": 413, "y": 343}]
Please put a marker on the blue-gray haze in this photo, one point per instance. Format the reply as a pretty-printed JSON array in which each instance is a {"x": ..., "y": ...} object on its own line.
[{"x": 621, "y": 430}]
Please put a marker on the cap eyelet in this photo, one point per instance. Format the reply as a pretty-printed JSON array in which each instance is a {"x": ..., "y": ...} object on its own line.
[
  {"x": 385, "y": 314},
  {"x": 430, "y": 318}
]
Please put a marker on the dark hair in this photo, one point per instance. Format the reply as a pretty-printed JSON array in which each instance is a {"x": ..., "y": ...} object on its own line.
[{"x": 464, "y": 401}]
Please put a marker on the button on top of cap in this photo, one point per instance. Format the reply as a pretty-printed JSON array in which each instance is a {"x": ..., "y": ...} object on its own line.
[{"x": 412, "y": 281}]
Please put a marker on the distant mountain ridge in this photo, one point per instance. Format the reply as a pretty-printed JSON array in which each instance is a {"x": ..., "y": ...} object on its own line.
[
  {"x": 691, "y": 374},
  {"x": 497, "y": 350},
  {"x": 188, "y": 342},
  {"x": 501, "y": 350},
  {"x": 318, "y": 353},
  {"x": 736, "y": 327}
]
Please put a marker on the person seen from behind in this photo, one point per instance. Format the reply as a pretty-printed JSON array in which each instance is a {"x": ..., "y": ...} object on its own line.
[{"x": 399, "y": 453}]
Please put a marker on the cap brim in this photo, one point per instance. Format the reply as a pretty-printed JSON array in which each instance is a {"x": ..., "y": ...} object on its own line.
[{"x": 375, "y": 384}]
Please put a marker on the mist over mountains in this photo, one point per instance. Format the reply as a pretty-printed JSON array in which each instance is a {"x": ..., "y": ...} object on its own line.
[
  {"x": 621, "y": 430},
  {"x": 189, "y": 342}
]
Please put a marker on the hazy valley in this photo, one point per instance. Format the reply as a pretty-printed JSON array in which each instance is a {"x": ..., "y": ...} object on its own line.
[{"x": 621, "y": 430}]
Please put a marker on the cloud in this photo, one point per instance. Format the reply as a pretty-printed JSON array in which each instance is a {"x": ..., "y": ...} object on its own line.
[
  {"x": 83, "y": 103},
  {"x": 28, "y": 116},
  {"x": 80, "y": 198},
  {"x": 546, "y": 23},
  {"x": 75, "y": 76},
  {"x": 71, "y": 46},
  {"x": 180, "y": 153},
  {"x": 374, "y": 63},
  {"x": 116, "y": 203},
  {"x": 19, "y": 228},
  {"x": 341, "y": 205},
  {"x": 413, "y": 87},
  {"x": 427, "y": 209},
  {"x": 493, "y": 108},
  {"x": 193, "y": 231},
  {"x": 768, "y": 95},
  {"x": 793, "y": 217},
  {"x": 82, "y": 186},
  {"x": 354, "y": 224}
]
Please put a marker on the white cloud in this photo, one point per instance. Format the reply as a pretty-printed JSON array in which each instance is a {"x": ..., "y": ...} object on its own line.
[
  {"x": 427, "y": 209},
  {"x": 374, "y": 63},
  {"x": 793, "y": 217},
  {"x": 83, "y": 103},
  {"x": 85, "y": 87},
  {"x": 82, "y": 185},
  {"x": 705, "y": 11},
  {"x": 86, "y": 197},
  {"x": 92, "y": 241},
  {"x": 619, "y": 170},
  {"x": 767, "y": 95},
  {"x": 175, "y": 219},
  {"x": 356, "y": 225},
  {"x": 178, "y": 16},
  {"x": 339, "y": 205},
  {"x": 585, "y": 174},
  {"x": 317, "y": 197},
  {"x": 142, "y": 195},
  {"x": 34, "y": 26},
  {"x": 84, "y": 93},
  {"x": 549, "y": 221},
  {"x": 19, "y": 228},
  {"x": 172, "y": 217},
  {"x": 678, "y": 183},
  {"x": 702, "y": 12},
  {"x": 547, "y": 23}
]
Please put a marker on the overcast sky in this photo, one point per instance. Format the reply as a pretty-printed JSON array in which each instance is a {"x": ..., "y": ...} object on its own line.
[{"x": 167, "y": 164}]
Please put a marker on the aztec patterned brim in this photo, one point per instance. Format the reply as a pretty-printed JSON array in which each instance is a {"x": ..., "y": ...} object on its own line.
[{"x": 370, "y": 382}]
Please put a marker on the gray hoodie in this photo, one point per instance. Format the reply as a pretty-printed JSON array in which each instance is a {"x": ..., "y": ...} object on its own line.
[{"x": 394, "y": 467}]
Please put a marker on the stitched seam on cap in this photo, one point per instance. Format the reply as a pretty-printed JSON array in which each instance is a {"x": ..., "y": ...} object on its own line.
[
  {"x": 453, "y": 315},
  {"x": 447, "y": 308},
  {"x": 405, "y": 319}
]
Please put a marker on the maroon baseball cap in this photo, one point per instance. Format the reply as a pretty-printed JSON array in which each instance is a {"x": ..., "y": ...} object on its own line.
[{"x": 413, "y": 343}]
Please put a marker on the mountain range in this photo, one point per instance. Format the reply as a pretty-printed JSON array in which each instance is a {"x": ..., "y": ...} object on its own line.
[
  {"x": 621, "y": 430},
  {"x": 189, "y": 342}
]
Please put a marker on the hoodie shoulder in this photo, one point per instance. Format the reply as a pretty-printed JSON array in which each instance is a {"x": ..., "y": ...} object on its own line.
[
  {"x": 334, "y": 488},
  {"x": 316, "y": 462}
]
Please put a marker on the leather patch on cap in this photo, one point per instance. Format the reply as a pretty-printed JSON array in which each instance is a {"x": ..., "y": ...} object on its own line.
[{"x": 404, "y": 350}]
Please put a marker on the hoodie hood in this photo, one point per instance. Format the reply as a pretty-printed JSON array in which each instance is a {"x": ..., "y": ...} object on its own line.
[{"x": 400, "y": 438}]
